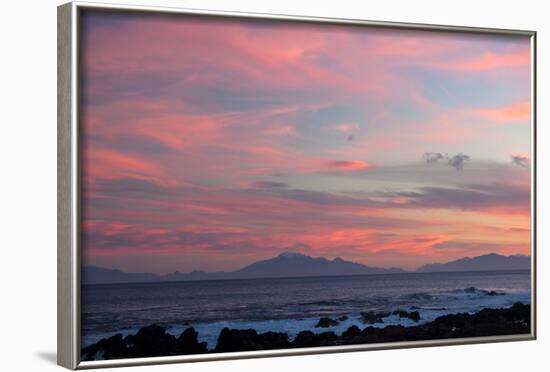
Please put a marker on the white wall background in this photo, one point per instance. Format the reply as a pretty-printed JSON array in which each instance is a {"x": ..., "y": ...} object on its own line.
[{"x": 28, "y": 187}]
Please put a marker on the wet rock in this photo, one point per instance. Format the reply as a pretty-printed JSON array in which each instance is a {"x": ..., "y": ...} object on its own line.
[
  {"x": 325, "y": 339},
  {"x": 238, "y": 340},
  {"x": 488, "y": 322},
  {"x": 428, "y": 308},
  {"x": 107, "y": 348},
  {"x": 274, "y": 340},
  {"x": 412, "y": 315},
  {"x": 304, "y": 339},
  {"x": 248, "y": 339},
  {"x": 352, "y": 331},
  {"x": 154, "y": 341},
  {"x": 326, "y": 322},
  {"x": 310, "y": 339},
  {"x": 371, "y": 317},
  {"x": 151, "y": 341},
  {"x": 187, "y": 343}
]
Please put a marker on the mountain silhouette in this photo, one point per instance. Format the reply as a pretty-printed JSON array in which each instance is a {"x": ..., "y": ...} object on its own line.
[
  {"x": 287, "y": 264},
  {"x": 292, "y": 264},
  {"x": 488, "y": 262}
]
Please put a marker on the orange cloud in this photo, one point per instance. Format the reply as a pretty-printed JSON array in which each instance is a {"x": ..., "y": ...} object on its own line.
[
  {"x": 490, "y": 61},
  {"x": 102, "y": 163},
  {"x": 517, "y": 111},
  {"x": 348, "y": 165},
  {"x": 197, "y": 125}
]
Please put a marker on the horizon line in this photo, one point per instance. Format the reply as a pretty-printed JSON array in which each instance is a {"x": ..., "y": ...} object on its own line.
[{"x": 415, "y": 270}]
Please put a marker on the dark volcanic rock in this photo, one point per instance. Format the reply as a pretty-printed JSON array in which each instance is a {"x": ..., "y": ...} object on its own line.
[
  {"x": 493, "y": 322},
  {"x": 310, "y": 339},
  {"x": 150, "y": 341},
  {"x": 325, "y": 339},
  {"x": 371, "y": 317},
  {"x": 487, "y": 322},
  {"x": 304, "y": 339},
  {"x": 238, "y": 340},
  {"x": 472, "y": 290},
  {"x": 412, "y": 315},
  {"x": 352, "y": 331},
  {"x": 427, "y": 308},
  {"x": 248, "y": 339},
  {"x": 274, "y": 340},
  {"x": 343, "y": 318},
  {"x": 326, "y": 322},
  {"x": 107, "y": 348},
  {"x": 154, "y": 341},
  {"x": 187, "y": 343}
]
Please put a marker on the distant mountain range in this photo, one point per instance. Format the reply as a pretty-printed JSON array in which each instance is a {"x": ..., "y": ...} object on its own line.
[
  {"x": 291, "y": 264},
  {"x": 488, "y": 262},
  {"x": 287, "y": 264}
]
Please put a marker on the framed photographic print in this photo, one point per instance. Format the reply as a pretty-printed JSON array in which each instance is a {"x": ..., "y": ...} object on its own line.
[{"x": 235, "y": 185}]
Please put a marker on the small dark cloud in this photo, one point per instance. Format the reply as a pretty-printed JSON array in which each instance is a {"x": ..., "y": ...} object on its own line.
[
  {"x": 351, "y": 137},
  {"x": 189, "y": 237},
  {"x": 216, "y": 241},
  {"x": 128, "y": 185},
  {"x": 139, "y": 144},
  {"x": 432, "y": 157},
  {"x": 467, "y": 246},
  {"x": 520, "y": 161},
  {"x": 470, "y": 197},
  {"x": 101, "y": 240},
  {"x": 386, "y": 235},
  {"x": 267, "y": 185},
  {"x": 456, "y": 161},
  {"x": 321, "y": 198}
]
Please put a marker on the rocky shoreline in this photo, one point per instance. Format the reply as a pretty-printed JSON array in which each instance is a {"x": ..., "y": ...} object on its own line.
[{"x": 153, "y": 341}]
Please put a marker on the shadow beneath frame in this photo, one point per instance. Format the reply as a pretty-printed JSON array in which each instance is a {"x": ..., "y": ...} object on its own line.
[{"x": 48, "y": 356}]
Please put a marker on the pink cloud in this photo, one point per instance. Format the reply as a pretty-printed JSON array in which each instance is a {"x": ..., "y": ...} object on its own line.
[
  {"x": 347, "y": 127},
  {"x": 226, "y": 103},
  {"x": 103, "y": 163},
  {"x": 348, "y": 165},
  {"x": 517, "y": 111},
  {"x": 285, "y": 130},
  {"x": 489, "y": 61}
]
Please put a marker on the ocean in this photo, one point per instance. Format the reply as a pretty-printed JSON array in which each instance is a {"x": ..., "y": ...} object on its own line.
[{"x": 291, "y": 304}]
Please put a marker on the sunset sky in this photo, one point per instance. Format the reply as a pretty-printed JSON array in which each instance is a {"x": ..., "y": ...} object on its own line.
[{"x": 212, "y": 143}]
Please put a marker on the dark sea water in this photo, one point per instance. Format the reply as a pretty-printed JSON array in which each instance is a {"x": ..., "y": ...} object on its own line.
[{"x": 290, "y": 304}]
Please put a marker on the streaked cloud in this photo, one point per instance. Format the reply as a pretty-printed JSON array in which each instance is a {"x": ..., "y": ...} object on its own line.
[
  {"x": 348, "y": 165},
  {"x": 299, "y": 137},
  {"x": 520, "y": 160},
  {"x": 347, "y": 127},
  {"x": 432, "y": 157},
  {"x": 517, "y": 111},
  {"x": 265, "y": 184}
]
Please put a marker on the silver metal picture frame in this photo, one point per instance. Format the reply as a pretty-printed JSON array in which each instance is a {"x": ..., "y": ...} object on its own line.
[{"x": 69, "y": 188}]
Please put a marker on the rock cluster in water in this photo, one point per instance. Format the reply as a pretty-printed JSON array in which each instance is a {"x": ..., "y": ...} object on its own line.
[{"x": 153, "y": 340}]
